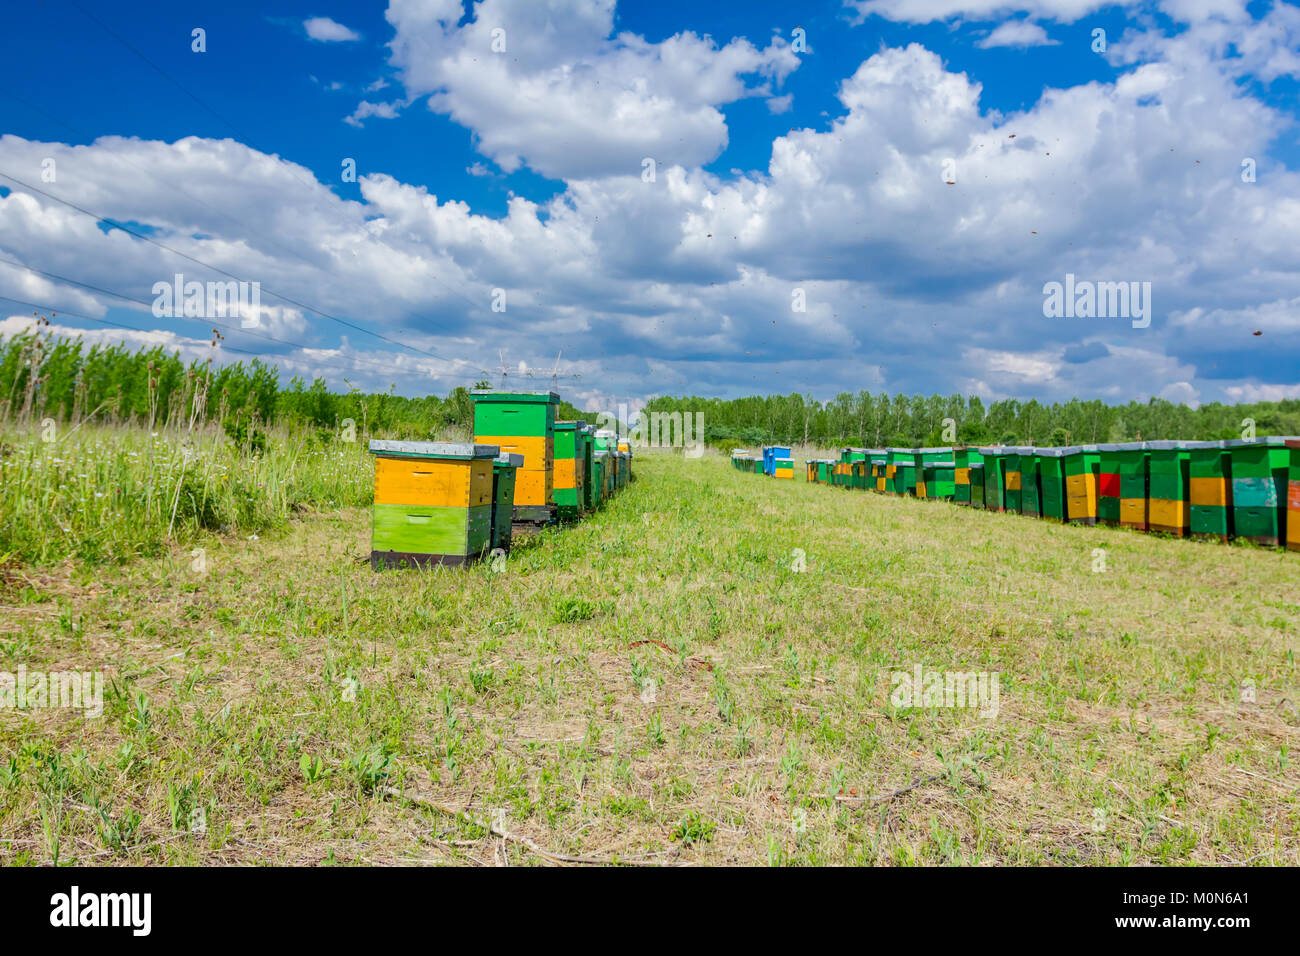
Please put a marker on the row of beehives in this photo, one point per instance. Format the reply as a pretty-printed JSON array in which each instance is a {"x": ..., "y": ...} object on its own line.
[
  {"x": 1243, "y": 488},
  {"x": 775, "y": 461},
  {"x": 453, "y": 503}
]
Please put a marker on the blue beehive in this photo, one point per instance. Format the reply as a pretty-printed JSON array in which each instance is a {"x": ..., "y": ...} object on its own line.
[{"x": 770, "y": 454}]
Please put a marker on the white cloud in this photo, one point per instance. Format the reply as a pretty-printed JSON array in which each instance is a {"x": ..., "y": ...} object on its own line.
[
  {"x": 928, "y": 11},
  {"x": 365, "y": 110},
  {"x": 1017, "y": 33},
  {"x": 326, "y": 30},
  {"x": 566, "y": 96},
  {"x": 780, "y": 104}
]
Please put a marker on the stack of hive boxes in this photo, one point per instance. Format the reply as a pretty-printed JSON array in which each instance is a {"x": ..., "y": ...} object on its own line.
[
  {"x": 522, "y": 423},
  {"x": 433, "y": 503}
]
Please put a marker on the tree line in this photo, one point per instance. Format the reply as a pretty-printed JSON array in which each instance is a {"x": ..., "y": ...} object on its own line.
[
  {"x": 866, "y": 420},
  {"x": 42, "y": 376}
]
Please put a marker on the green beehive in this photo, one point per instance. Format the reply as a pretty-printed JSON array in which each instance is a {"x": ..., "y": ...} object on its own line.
[
  {"x": 600, "y": 467},
  {"x": 1210, "y": 489},
  {"x": 1108, "y": 484},
  {"x": 994, "y": 477},
  {"x": 570, "y": 462},
  {"x": 1293, "y": 496},
  {"x": 1133, "y": 461},
  {"x": 1012, "y": 478},
  {"x": 504, "y": 468},
  {"x": 879, "y": 466},
  {"x": 522, "y": 423},
  {"x": 1082, "y": 465},
  {"x": 1260, "y": 477},
  {"x": 433, "y": 503},
  {"x": 975, "y": 472},
  {"x": 590, "y": 495},
  {"x": 964, "y": 457},
  {"x": 1051, "y": 483},
  {"x": 1031, "y": 503},
  {"x": 901, "y": 470},
  {"x": 938, "y": 473},
  {"x": 1168, "y": 486}
]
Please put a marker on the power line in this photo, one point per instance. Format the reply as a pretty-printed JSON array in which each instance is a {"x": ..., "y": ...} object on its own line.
[
  {"x": 139, "y": 235},
  {"x": 224, "y": 347},
  {"x": 212, "y": 322}
]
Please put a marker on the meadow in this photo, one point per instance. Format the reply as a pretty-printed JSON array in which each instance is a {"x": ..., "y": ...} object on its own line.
[{"x": 700, "y": 673}]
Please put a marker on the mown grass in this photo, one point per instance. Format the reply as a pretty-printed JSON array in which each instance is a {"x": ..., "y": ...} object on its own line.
[{"x": 660, "y": 685}]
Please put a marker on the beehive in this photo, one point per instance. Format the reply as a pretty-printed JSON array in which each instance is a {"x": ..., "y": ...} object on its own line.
[
  {"x": 937, "y": 473},
  {"x": 590, "y": 496},
  {"x": 1031, "y": 502},
  {"x": 570, "y": 467},
  {"x": 963, "y": 458},
  {"x": 1260, "y": 488},
  {"x": 879, "y": 468},
  {"x": 1108, "y": 483},
  {"x": 976, "y": 475},
  {"x": 1168, "y": 474},
  {"x": 600, "y": 467},
  {"x": 433, "y": 503},
  {"x": 1209, "y": 490},
  {"x": 522, "y": 423},
  {"x": 1134, "y": 465},
  {"x": 1009, "y": 460},
  {"x": 770, "y": 454},
  {"x": 902, "y": 470},
  {"x": 1051, "y": 483},
  {"x": 994, "y": 477},
  {"x": 1293, "y": 495},
  {"x": 504, "y": 469},
  {"x": 783, "y": 468},
  {"x": 1082, "y": 464}
]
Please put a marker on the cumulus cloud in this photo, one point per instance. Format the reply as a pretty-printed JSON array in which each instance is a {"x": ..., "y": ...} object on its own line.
[{"x": 549, "y": 84}]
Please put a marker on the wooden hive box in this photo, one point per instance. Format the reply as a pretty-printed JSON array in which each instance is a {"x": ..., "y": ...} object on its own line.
[
  {"x": 504, "y": 468},
  {"x": 1168, "y": 486},
  {"x": 1082, "y": 465},
  {"x": 1260, "y": 488},
  {"x": 1109, "y": 488},
  {"x": 1051, "y": 483},
  {"x": 570, "y": 466},
  {"x": 522, "y": 423},
  {"x": 433, "y": 503},
  {"x": 1210, "y": 489}
]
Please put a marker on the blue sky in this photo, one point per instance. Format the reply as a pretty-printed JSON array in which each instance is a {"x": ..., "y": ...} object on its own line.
[{"x": 783, "y": 176}]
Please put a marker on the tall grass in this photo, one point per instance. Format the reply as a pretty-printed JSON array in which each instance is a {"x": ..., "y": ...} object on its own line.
[{"x": 107, "y": 493}]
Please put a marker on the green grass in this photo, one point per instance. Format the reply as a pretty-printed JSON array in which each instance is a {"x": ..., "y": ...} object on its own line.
[
  {"x": 657, "y": 684},
  {"x": 108, "y": 494}
]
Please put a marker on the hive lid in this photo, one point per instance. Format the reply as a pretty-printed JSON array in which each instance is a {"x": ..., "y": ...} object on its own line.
[
  {"x": 433, "y": 449},
  {"x": 1272, "y": 440},
  {"x": 570, "y": 426},
  {"x": 1162, "y": 445},
  {"x": 1112, "y": 446},
  {"x": 1052, "y": 452},
  {"x": 489, "y": 395},
  {"x": 1197, "y": 445},
  {"x": 510, "y": 459}
]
